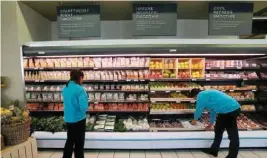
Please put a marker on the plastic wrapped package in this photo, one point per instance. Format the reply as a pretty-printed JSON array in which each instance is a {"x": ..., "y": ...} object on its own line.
[
  {"x": 97, "y": 96},
  {"x": 91, "y": 96}
]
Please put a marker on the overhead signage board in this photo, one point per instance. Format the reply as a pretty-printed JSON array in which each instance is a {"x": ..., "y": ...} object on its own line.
[
  {"x": 154, "y": 19},
  {"x": 78, "y": 21},
  {"x": 230, "y": 18}
]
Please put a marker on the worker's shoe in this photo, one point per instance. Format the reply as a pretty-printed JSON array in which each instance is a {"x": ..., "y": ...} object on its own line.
[{"x": 209, "y": 152}]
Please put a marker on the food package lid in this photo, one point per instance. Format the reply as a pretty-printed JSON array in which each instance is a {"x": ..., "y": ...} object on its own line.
[
  {"x": 111, "y": 117},
  {"x": 100, "y": 122},
  {"x": 99, "y": 126},
  {"x": 109, "y": 123},
  {"x": 109, "y": 127}
]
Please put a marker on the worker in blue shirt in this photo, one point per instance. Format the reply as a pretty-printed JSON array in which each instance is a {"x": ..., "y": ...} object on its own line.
[
  {"x": 227, "y": 110},
  {"x": 75, "y": 102}
]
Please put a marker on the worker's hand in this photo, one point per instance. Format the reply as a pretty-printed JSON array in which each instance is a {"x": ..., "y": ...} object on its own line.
[
  {"x": 209, "y": 126},
  {"x": 193, "y": 122}
]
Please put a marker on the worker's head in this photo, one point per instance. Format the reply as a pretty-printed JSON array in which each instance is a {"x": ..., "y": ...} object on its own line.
[
  {"x": 194, "y": 92},
  {"x": 76, "y": 76}
]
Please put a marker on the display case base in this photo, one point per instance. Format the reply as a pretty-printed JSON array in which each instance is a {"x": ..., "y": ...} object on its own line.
[{"x": 151, "y": 140}]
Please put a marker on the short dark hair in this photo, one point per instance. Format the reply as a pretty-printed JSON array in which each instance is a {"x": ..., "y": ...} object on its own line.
[
  {"x": 75, "y": 76},
  {"x": 194, "y": 92}
]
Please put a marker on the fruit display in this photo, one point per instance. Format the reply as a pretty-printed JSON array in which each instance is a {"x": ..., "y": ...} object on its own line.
[
  {"x": 156, "y": 63},
  {"x": 5, "y": 112},
  {"x": 140, "y": 85},
  {"x": 124, "y": 107},
  {"x": 197, "y": 74},
  {"x": 169, "y": 74},
  {"x": 230, "y": 87},
  {"x": 116, "y": 97},
  {"x": 184, "y": 63},
  {"x": 228, "y": 64},
  {"x": 136, "y": 124},
  {"x": 197, "y": 63},
  {"x": 86, "y": 62},
  {"x": 170, "y": 63},
  {"x": 173, "y": 86},
  {"x": 155, "y": 74},
  {"x": 184, "y": 74},
  {"x": 248, "y": 108},
  {"x": 242, "y": 96}
]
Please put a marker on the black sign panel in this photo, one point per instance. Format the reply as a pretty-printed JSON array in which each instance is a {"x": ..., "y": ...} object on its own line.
[
  {"x": 154, "y": 19},
  {"x": 230, "y": 18},
  {"x": 78, "y": 21}
]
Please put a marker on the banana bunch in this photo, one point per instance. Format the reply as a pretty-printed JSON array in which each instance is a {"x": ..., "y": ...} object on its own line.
[{"x": 5, "y": 112}]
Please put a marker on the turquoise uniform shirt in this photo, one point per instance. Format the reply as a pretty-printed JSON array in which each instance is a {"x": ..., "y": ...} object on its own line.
[
  {"x": 216, "y": 102},
  {"x": 75, "y": 101}
]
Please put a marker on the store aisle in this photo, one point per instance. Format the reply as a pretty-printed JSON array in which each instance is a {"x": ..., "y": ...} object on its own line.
[{"x": 254, "y": 153}]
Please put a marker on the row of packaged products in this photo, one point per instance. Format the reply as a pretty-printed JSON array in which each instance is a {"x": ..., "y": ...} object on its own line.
[
  {"x": 88, "y": 75},
  {"x": 141, "y": 74},
  {"x": 95, "y": 97},
  {"x": 44, "y": 96},
  {"x": 228, "y": 63},
  {"x": 119, "y": 107},
  {"x": 91, "y": 87},
  {"x": 44, "y": 107},
  {"x": 231, "y": 75},
  {"x": 104, "y": 62}
]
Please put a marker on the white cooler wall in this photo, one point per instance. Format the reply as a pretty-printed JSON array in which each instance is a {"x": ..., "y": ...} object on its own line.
[{"x": 20, "y": 24}]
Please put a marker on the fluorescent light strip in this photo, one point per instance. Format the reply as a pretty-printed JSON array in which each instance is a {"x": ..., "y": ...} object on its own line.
[{"x": 149, "y": 55}]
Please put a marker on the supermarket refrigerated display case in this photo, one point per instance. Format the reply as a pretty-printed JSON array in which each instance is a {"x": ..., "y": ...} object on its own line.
[{"x": 141, "y": 88}]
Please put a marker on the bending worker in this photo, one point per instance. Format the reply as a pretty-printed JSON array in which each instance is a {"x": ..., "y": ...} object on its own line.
[{"x": 227, "y": 110}]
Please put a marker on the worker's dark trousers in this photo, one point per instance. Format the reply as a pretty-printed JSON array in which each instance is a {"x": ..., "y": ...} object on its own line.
[
  {"x": 227, "y": 122},
  {"x": 75, "y": 139}
]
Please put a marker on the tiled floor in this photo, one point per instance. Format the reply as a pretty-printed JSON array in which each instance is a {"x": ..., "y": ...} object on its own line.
[{"x": 253, "y": 153}]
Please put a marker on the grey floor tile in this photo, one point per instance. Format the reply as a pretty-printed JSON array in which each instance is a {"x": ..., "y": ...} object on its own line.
[
  {"x": 91, "y": 154},
  {"x": 106, "y": 154},
  {"x": 45, "y": 154},
  {"x": 200, "y": 154},
  {"x": 169, "y": 154},
  {"x": 248, "y": 154},
  {"x": 262, "y": 153},
  {"x": 57, "y": 155},
  {"x": 137, "y": 154},
  {"x": 225, "y": 152},
  {"x": 153, "y": 154},
  {"x": 184, "y": 154},
  {"x": 122, "y": 154}
]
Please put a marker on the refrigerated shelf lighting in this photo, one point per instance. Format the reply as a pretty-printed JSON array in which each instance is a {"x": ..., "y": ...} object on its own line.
[{"x": 147, "y": 55}]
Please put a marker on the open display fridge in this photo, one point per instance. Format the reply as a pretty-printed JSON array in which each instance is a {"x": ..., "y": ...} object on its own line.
[{"x": 138, "y": 90}]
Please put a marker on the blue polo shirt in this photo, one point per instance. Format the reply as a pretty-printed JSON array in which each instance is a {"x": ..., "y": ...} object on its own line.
[
  {"x": 216, "y": 102},
  {"x": 75, "y": 101}
]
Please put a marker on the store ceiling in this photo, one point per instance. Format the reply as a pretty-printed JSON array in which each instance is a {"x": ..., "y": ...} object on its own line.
[{"x": 122, "y": 10}]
